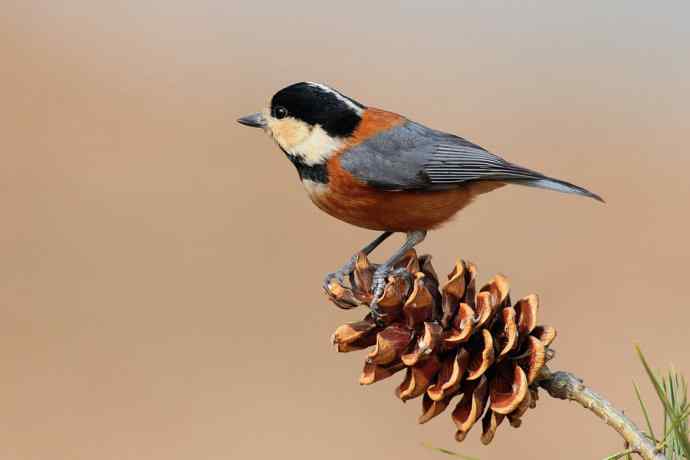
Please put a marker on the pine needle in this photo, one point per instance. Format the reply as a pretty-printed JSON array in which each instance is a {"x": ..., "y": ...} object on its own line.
[
  {"x": 675, "y": 407},
  {"x": 448, "y": 452},
  {"x": 644, "y": 411},
  {"x": 618, "y": 455}
]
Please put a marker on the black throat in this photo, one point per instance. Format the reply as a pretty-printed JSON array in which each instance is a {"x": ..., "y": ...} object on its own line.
[{"x": 316, "y": 173}]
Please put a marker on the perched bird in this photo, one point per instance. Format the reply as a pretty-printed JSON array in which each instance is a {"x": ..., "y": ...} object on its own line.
[{"x": 381, "y": 171}]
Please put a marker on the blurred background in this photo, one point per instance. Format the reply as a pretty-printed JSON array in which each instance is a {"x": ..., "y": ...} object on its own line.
[{"x": 161, "y": 266}]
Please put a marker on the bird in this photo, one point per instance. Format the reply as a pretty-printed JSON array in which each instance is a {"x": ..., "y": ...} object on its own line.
[{"x": 379, "y": 170}]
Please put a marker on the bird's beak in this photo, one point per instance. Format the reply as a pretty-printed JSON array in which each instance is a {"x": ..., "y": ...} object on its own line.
[{"x": 255, "y": 120}]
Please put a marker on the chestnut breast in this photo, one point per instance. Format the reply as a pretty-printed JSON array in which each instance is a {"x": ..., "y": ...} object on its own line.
[{"x": 347, "y": 199}]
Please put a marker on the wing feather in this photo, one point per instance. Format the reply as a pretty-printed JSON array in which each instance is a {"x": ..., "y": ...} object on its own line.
[{"x": 414, "y": 157}]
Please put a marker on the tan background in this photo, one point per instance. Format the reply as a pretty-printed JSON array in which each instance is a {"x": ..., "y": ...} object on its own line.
[{"x": 160, "y": 265}]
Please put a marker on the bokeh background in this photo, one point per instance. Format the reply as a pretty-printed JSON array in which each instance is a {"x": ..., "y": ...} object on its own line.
[{"x": 160, "y": 265}]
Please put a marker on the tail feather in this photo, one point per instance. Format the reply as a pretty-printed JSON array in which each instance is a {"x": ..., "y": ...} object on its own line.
[{"x": 557, "y": 185}]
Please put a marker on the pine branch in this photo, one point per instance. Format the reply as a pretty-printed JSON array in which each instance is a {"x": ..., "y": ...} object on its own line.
[{"x": 564, "y": 385}]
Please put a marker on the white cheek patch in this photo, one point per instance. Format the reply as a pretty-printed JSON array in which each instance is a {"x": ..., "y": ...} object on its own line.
[
  {"x": 317, "y": 147},
  {"x": 311, "y": 144},
  {"x": 287, "y": 132}
]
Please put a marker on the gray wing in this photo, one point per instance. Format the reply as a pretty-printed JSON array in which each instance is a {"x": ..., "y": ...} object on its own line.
[{"x": 414, "y": 157}]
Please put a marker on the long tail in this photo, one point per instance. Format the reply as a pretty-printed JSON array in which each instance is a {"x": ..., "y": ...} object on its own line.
[{"x": 557, "y": 185}]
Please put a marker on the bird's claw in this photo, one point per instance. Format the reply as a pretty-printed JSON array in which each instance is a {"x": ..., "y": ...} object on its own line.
[
  {"x": 337, "y": 276},
  {"x": 379, "y": 282},
  {"x": 381, "y": 276},
  {"x": 404, "y": 274},
  {"x": 379, "y": 285},
  {"x": 340, "y": 274}
]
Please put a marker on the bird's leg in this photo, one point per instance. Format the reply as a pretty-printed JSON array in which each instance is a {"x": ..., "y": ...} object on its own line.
[
  {"x": 382, "y": 272},
  {"x": 349, "y": 266}
]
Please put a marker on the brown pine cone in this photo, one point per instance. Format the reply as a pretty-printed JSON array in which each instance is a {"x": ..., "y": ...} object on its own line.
[{"x": 451, "y": 341}]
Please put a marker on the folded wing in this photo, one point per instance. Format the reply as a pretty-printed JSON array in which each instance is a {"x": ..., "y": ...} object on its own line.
[{"x": 414, "y": 157}]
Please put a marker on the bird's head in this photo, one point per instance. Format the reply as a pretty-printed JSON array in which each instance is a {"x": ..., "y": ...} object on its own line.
[{"x": 308, "y": 120}]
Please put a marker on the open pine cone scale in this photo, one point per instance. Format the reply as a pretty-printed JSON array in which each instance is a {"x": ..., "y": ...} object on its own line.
[{"x": 452, "y": 340}]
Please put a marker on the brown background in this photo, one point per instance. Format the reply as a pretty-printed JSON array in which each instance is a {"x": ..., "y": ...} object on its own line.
[{"x": 160, "y": 265}]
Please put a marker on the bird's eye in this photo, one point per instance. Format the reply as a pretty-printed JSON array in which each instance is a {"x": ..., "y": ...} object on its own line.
[{"x": 280, "y": 112}]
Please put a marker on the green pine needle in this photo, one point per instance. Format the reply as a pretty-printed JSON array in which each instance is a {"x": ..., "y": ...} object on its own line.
[
  {"x": 644, "y": 411},
  {"x": 672, "y": 392},
  {"x": 616, "y": 456},
  {"x": 448, "y": 452}
]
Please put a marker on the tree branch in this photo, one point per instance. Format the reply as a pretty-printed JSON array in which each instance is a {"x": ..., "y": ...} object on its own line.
[{"x": 564, "y": 385}]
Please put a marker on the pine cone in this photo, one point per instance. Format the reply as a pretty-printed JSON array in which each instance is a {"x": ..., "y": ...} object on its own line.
[{"x": 451, "y": 341}]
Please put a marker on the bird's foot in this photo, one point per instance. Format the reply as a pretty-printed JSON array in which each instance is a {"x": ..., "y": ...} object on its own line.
[
  {"x": 381, "y": 276},
  {"x": 379, "y": 283},
  {"x": 340, "y": 274}
]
